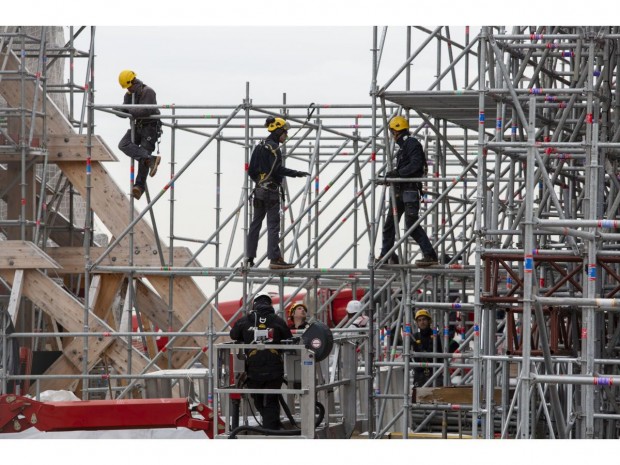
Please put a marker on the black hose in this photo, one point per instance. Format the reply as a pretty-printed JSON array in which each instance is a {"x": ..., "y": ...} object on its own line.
[
  {"x": 287, "y": 411},
  {"x": 280, "y": 432},
  {"x": 235, "y": 413}
]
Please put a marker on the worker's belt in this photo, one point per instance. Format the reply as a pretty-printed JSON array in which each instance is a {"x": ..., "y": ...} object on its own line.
[{"x": 269, "y": 185}]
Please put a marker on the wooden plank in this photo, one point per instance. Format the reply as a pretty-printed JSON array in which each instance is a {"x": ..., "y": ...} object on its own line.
[
  {"x": 24, "y": 255},
  {"x": 106, "y": 289},
  {"x": 71, "y": 259},
  {"x": 16, "y": 296},
  {"x": 72, "y": 147},
  {"x": 155, "y": 309},
  {"x": 451, "y": 395}
]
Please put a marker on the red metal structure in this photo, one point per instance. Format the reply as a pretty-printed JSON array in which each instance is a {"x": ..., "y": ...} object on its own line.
[{"x": 19, "y": 413}]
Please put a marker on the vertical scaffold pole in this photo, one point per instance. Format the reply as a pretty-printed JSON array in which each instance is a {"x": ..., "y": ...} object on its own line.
[
  {"x": 589, "y": 332},
  {"x": 90, "y": 95},
  {"x": 478, "y": 230},
  {"x": 246, "y": 188},
  {"x": 372, "y": 305},
  {"x": 528, "y": 275}
]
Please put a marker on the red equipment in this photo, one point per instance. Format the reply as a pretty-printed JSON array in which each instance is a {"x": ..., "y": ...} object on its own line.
[{"x": 19, "y": 413}]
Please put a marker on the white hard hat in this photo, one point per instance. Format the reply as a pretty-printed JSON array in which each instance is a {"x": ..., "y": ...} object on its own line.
[
  {"x": 262, "y": 294},
  {"x": 353, "y": 307}
]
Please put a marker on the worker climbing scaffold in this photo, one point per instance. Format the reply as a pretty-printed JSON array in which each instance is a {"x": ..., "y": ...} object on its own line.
[{"x": 140, "y": 144}]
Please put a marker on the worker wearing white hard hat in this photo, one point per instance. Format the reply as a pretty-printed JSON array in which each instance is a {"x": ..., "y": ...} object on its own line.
[{"x": 354, "y": 307}]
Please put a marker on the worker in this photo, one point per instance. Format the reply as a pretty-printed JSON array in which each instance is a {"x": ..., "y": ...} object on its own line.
[
  {"x": 264, "y": 368},
  {"x": 298, "y": 316},
  {"x": 147, "y": 131},
  {"x": 409, "y": 162},
  {"x": 422, "y": 341},
  {"x": 354, "y": 308},
  {"x": 267, "y": 172}
]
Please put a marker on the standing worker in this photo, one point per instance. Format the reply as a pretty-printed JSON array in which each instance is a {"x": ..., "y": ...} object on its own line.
[
  {"x": 264, "y": 368},
  {"x": 410, "y": 162},
  {"x": 267, "y": 172},
  {"x": 147, "y": 131},
  {"x": 422, "y": 341}
]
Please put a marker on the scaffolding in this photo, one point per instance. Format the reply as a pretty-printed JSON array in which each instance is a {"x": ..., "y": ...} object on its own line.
[{"x": 521, "y": 133}]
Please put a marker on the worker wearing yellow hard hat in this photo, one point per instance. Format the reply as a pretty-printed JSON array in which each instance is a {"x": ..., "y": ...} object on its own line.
[
  {"x": 141, "y": 144},
  {"x": 408, "y": 162},
  {"x": 424, "y": 340},
  {"x": 268, "y": 171}
]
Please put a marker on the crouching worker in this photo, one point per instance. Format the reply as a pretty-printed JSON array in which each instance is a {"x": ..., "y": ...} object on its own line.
[{"x": 264, "y": 368}]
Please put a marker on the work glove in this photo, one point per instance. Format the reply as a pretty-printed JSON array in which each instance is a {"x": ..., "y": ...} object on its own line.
[
  {"x": 392, "y": 174},
  {"x": 301, "y": 174}
]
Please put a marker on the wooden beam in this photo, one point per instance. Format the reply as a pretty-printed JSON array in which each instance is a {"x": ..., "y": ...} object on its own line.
[
  {"x": 16, "y": 296},
  {"x": 156, "y": 309},
  {"x": 24, "y": 255},
  {"x": 66, "y": 310},
  {"x": 72, "y": 147},
  {"x": 63, "y": 147},
  {"x": 106, "y": 288},
  {"x": 71, "y": 259},
  {"x": 451, "y": 395},
  {"x": 107, "y": 200}
]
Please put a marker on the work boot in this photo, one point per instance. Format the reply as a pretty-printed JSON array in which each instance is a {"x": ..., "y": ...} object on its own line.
[
  {"x": 393, "y": 260},
  {"x": 250, "y": 262},
  {"x": 153, "y": 164},
  {"x": 280, "y": 264},
  {"x": 427, "y": 260},
  {"x": 137, "y": 191}
]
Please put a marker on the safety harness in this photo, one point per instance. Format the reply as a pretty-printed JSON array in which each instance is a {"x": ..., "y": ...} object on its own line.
[{"x": 264, "y": 181}]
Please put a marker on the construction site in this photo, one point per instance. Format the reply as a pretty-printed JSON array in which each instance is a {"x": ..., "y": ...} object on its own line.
[{"x": 127, "y": 310}]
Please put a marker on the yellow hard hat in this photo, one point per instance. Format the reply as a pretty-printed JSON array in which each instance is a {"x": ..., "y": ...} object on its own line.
[
  {"x": 274, "y": 123},
  {"x": 125, "y": 78},
  {"x": 423, "y": 312},
  {"x": 294, "y": 306},
  {"x": 399, "y": 123}
]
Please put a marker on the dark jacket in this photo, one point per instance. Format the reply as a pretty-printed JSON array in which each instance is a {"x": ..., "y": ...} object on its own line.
[
  {"x": 410, "y": 163},
  {"x": 304, "y": 325},
  {"x": 267, "y": 364},
  {"x": 422, "y": 341},
  {"x": 265, "y": 156},
  {"x": 145, "y": 95}
]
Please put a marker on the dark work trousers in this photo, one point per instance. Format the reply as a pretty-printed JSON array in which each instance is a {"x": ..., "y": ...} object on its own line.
[
  {"x": 267, "y": 404},
  {"x": 411, "y": 211},
  {"x": 140, "y": 150},
  {"x": 266, "y": 202}
]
